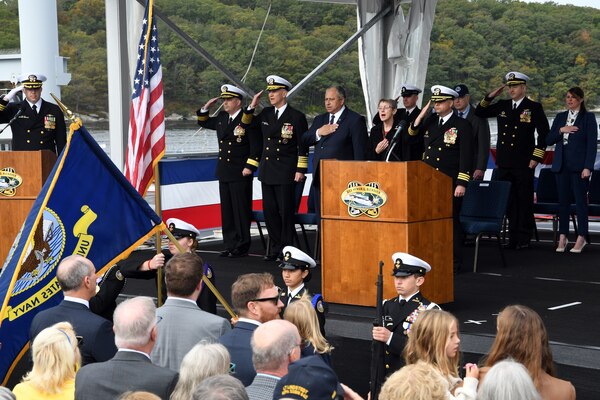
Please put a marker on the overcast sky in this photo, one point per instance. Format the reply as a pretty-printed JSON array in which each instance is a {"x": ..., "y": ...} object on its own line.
[{"x": 583, "y": 3}]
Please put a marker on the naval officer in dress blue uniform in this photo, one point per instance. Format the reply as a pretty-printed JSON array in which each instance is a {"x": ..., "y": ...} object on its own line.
[
  {"x": 39, "y": 125},
  {"x": 239, "y": 153},
  {"x": 518, "y": 151},
  {"x": 448, "y": 143},
  {"x": 283, "y": 163}
]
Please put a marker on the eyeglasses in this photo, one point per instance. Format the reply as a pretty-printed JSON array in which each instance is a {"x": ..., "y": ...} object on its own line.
[
  {"x": 274, "y": 299},
  {"x": 383, "y": 108}
]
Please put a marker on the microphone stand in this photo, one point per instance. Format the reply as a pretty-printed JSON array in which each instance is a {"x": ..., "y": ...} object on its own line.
[{"x": 19, "y": 112}]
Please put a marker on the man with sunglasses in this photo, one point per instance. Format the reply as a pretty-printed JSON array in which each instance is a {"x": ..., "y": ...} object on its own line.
[{"x": 256, "y": 300}]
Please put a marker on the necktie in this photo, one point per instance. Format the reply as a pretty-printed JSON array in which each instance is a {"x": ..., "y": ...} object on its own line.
[
  {"x": 331, "y": 119},
  {"x": 441, "y": 122},
  {"x": 514, "y": 106},
  {"x": 34, "y": 108},
  {"x": 276, "y": 114},
  {"x": 460, "y": 114},
  {"x": 230, "y": 120},
  {"x": 402, "y": 302}
]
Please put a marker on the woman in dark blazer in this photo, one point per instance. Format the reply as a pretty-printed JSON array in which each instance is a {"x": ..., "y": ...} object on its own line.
[
  {"x": 382, "y": 133},
  {"x": 575, "y": 133}
]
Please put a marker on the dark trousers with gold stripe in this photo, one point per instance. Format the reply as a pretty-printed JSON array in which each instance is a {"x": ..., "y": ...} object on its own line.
[
  {"x": 236, "y": 213},
  {"x": 279, "y": 205},
  {"x": 520, "y": 203}
]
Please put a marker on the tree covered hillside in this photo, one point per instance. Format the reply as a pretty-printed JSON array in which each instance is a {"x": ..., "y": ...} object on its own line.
[{"x": 474, "y": 42}]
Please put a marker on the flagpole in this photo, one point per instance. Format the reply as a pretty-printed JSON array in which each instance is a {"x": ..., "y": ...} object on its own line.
[
  {"x": 158, "y": 210},
  {"x": 204, "y": 278}
]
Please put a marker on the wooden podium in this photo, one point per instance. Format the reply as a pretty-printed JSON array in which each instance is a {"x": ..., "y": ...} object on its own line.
[
  {"x": 33, "y": 167},
  {"x": 416, "y": 218}
]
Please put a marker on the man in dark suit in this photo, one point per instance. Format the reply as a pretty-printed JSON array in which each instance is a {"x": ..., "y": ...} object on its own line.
[
  {"x": 256, "y": 300},
  {"x": 518, "y": 151},
  {"x": 77, "y": 278},
  {"x": 130, "y": 369},
  {"x": 239, "y": 152},
  {"x": 39, "y": 125},
  {"x": 283, "y": 163},
  {"x": 481, "y": 130},
  {"x": 339, "y": 134}
]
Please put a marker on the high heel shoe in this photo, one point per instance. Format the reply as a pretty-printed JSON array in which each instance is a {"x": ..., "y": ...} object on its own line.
[
  {"x": 562, "y": 249},
  {"x": 574, "y": 250}
]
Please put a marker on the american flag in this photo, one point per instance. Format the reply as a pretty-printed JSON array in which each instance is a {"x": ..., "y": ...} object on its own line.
[{"x": 146, "y": 117}]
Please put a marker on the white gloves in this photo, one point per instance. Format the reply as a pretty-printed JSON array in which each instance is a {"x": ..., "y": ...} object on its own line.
[{"x": 9, "y": 96}]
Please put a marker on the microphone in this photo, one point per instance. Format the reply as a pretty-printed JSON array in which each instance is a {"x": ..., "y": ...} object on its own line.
[
  {"x": 399, "y": 129},
  {"x": 19, "y": 112}
]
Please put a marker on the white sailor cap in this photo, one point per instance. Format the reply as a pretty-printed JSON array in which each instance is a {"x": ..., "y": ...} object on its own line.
[
  {"x": 514, "y": 78},
  {"x": 32, "y": 80},
  {"x": 442, "y": 93},
  {"x": 409, "y": 90},
  {"x": 231, "y": 92},
  {"x": 294, "y": 258},
  {"x": 275, "y": 82},
  {"x": 181, "y": 229},
  {"x": 406, "y": 264}
]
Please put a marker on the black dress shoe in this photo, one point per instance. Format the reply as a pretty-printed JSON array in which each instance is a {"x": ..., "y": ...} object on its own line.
[
  {"x": 522, "y": 246},
  {"x": 270, "y": 257},
  {"x": 224, "y": 253},
  {"x": 237, "y": 253}
]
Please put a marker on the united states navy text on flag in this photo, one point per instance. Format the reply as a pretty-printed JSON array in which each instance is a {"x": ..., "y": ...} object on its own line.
[
  {"x": 146, "y": 144},
  {"x": 86, "y": 207}
]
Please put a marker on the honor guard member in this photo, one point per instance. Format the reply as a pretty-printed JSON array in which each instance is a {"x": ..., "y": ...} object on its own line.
[
  {"x": 481, "y": 131},
  {"x": 518, "y": 151},
  {"x": 143, "y": 264},
  {"x": 296, "y": 272},
  {"x": 239, "y": 153},
  {"x": 108, "y": 290},
  {"x": 283, "y": 163},
  {"x": 35, "y": 123},
  {"x": 448, "y": 149},
  {"x": 399, "y": 313}
]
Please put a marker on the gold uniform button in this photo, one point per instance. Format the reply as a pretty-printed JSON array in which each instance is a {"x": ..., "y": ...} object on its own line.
[
  {"x": 439, "y": 149},
  {"x": 502, "y": 142},
  {"x": 504, "y": 134},
  {"x": 41, "y": 142},
  {"x": 277, "y": 158},
  {"x": 387, "y": 366},
  {"x": 512, "y": 144},
  {"x": 516, "y": 127},
  {"x": 221, "y": 141},
  {"x": 230, "y": 143},
  {"x": 277, "y": 149},
  {"x": 220, "y": 158},
  {"x": 437, "y": 169},
  {"x": 228, "y": 160},
  {"x": 42, "y": 132},
  {"x": 506, "y": 126},
  {"x": 228, "y": 151},
  {"x": 514, "y": 135},
  {"x": 266, "y": 158},
  {"x": 268, "y": 138},
  {"x": 220, "y": 149},
  {"x": 437, "y": 159},
  {"x": 427, "y": 158},
  {"x": 279, "y": 141},
  {"x": 266, "y": 148},
  {"x": 429, "y": 147},
  {"x": 28, "y": 141},
  {"x": 28, "y": 131}
]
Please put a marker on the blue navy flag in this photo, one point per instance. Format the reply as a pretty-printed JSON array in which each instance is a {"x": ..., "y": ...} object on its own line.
[{"x": 86, "y": 207}]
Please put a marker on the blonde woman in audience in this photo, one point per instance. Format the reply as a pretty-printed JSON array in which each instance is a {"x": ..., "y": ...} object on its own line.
[
  {"x": 434, "y": 340},
  {"x": 56, "y": 360},
  {"x": 508, "y": 380},
  {"x": 419, "y": 381},
  {"x": 522, "y": 336},
  {"x": 302, "y": 314},
  {"x": 139, "y": 396},
  {"x": 202, "y": 361}
]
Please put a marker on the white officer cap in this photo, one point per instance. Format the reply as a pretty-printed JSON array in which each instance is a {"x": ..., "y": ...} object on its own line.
[
  {"x": 409, "y": 90},
  {"x": 231, "y": 92},
  {"x": 181, "y": 229},
  {"x": 516, "y": 78},
  {"x": 294, "y": 258},
  {"x": 32, "y": 80},
  {"x": 442, "y": 93},
  {"x": 406, "y": 264},
  {"x": 275, "y": 82}
]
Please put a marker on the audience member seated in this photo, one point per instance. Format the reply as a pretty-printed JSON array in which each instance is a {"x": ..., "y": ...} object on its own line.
[
  {"x": 202, "y": 361},
  {"x": 275, "y": 344},
  {"x": 130, "y": 369},
  {"x": 434, "y": 340},
  {"x": 56, "y": 359},
  {"x": 508, "y": 380},
  {"x": 139, "y": 396},
  {"x": 76, "y": 276},
  {"x": 183, "y": 323},
  {"x": 420, "y": 381},
  {"x": 256, "y": 300},
  {"x": 522, "y": 336},
  {"x": 220, "y": 387},
  {"x": 302, "y": 314}
]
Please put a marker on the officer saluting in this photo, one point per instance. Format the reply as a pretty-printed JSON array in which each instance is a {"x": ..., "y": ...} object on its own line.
[
  {"x": 517, "y": 150},
  {"x": 39, "y": 125}
]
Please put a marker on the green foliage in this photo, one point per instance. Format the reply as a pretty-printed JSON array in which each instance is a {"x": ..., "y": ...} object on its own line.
[{"x": 473, "y": 41}]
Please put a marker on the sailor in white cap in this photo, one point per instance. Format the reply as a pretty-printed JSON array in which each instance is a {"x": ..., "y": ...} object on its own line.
[
  {"x": 399, "y": 313},
  {"x": 296, "y": 271},
  {"x": 518, "y": 150},
  {"x": 239, "y": 153},
  {"x": 283, "y": 163},
  {"x": 144, "y": 264},
  {"x": 448, "y": 149},
  {"x": 35, "y": 123}
]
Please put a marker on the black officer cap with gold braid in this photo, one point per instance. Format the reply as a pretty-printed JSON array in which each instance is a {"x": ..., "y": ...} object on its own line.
[
  {"x": 406, "y": 264},
  {"x": 442, "y": 93},
  {"x": 275, "y": 82},
  {"x": 516, "y": 78},
  {"x": 231, "y": 92},
  {"x": 32, "y": 80}
]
